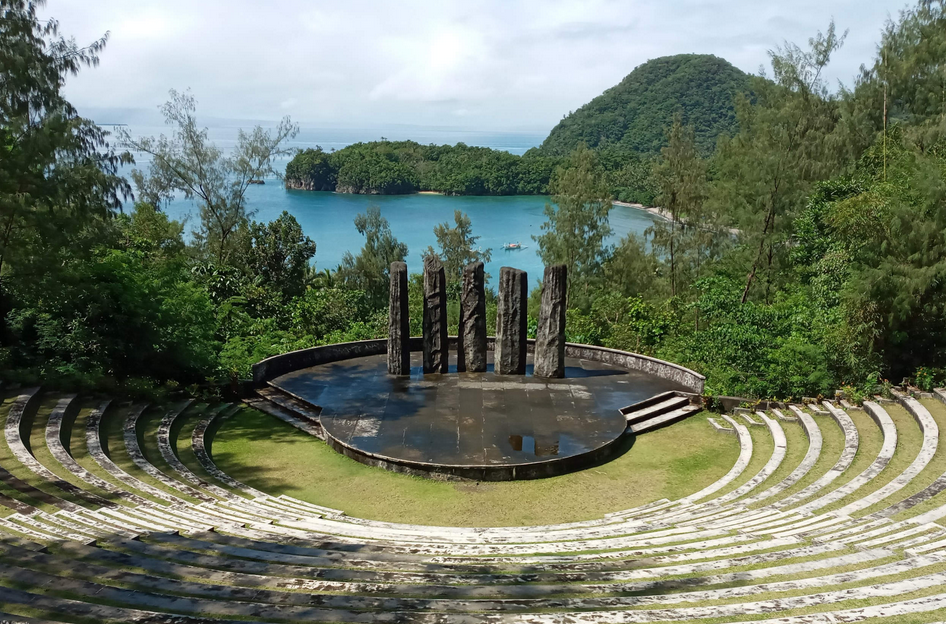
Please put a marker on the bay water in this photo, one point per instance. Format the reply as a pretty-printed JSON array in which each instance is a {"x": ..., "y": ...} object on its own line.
[{"x": 328, "y": 218}]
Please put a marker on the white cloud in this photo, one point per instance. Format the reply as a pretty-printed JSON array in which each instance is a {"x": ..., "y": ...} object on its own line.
[{"x": 495, "y": 64}]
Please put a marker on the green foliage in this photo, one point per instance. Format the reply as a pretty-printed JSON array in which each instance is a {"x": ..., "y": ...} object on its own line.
[
  {"x": 458, "y": 246},
  {"x": 635, "y": 113},
  {"x": 681, "y": 177},
  {"x": 278, "y": 254},
  {"x": 789, "y": 139},
  {"x": 633, "y": 269},
  {"x": 188, "y": 163},
  {"x": 910, "y": 62},
  {"x": 57, "y": 169},
  {"x": 322, "y": 313},
  {"x": 397, "y": 167},
  {"x": 625, "y": 323},
  {"x": 118, "y": 315},
  {"x": 312, "y": 170},
  {"x": 756, "y": 350},
  {"x": 370, "y": 270},
  {"x": 872, "y": 250},
  {"x": 927, "y": 379},
  {"x": 576, "y": 223}
]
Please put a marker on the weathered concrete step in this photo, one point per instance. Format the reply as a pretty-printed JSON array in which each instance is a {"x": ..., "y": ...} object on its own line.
[
  {"x": 665, "y": 418},
  {"x": 59, "y": 452},
  {"x": 720, "y": 428},
  {"x": 130, "y": 436},
  {"x": 231, "y": 586},
  {"x": 288, "y": 402},
  {"x": 654, "y": 406},
  {"x": 302, "y": 424},
  {"x": 93, "y": 441},
  {"x": 851, "y": 441},
  {"x": 14, "y": 437}
]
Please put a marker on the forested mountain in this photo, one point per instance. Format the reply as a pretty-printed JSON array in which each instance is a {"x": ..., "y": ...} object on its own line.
[
  {"x": 635, "y": 114},
  {"x": 804, "y": 254}
]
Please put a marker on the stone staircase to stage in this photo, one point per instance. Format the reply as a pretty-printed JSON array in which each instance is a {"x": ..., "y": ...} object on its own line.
[
  {"x": 660, "y": 410},
  {"x": 116, "y": 512}
]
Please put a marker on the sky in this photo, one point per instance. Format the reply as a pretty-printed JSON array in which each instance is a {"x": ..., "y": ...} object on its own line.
[{"x": 486, "y": 65}]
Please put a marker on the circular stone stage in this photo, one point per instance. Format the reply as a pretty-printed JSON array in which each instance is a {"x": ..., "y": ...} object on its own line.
[{"x": 478, "y": 426}]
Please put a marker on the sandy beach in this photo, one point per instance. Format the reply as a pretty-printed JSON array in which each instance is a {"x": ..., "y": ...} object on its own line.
[{"x": 659, "y": 212}]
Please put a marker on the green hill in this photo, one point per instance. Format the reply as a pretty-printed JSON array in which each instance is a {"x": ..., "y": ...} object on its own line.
[{"x": 636, "y": 113}]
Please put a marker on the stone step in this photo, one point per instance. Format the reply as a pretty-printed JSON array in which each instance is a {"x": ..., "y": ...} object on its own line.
[
  {"x": 654, "y": 406},
  {"x": 303, "y": 424},
  {"x": 289, "y": 402},
  {"x": 720, "y": 428},
  {"x": 665, "y": 418}
]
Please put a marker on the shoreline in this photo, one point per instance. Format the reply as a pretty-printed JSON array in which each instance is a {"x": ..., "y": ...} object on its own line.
[{"x": 657, "y": 212}]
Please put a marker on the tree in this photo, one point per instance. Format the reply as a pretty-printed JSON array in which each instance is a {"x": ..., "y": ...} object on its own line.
[
  {"x": 311, "y": 170},
  {"x": 576, "y": 223},
  {"x": 151, "y": 232},
  {"x": 58, "y": 174},
  {"x": 788, "y": 139},
  {"x": 279, "y": 254},
  {"x": 634, "y": 270},
  {"x": 682, "y": 179},
  {"x": 457, "y": 246},
  {"x": 188, "y": 163},
  {"x": 911, "y": 64},
  {"x": 370, "y": 270}
]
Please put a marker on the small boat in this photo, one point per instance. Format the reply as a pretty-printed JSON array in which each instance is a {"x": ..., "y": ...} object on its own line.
[{"x": 512, "y": 246}]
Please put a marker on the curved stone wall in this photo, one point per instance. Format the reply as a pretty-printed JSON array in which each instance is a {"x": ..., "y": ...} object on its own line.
[{"x": 279, "y": 365}]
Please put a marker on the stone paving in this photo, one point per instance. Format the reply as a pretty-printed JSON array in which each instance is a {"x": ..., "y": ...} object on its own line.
[
  {"x": 743, "y": 547},
  {"x": 465, "y": 419}
]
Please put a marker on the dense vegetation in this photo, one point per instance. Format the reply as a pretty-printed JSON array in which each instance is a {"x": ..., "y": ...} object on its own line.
[
  {"x": 398, "y": 167},
  {"x": 634, "y": 114},
  {"x": 807, "y": 252},
  {"x": 626, "y": 124}
]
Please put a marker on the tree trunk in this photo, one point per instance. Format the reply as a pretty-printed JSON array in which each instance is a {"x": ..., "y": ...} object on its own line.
[
  {"x": 673, "y": 266},
  {"x": 755, "y": 264}
]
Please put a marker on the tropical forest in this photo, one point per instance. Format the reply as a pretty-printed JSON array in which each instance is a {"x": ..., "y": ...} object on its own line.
[{"x": 801, "y": 244}]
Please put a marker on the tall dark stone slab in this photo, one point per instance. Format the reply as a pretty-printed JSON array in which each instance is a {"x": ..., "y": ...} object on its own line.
[
  {"x": 399, "y": 326},
  {"x": 511, "y": 330},
  {"x": 550, "y": 337},
  {"x": 436, "y": 355},
  {"x": 471, "y": 345}
]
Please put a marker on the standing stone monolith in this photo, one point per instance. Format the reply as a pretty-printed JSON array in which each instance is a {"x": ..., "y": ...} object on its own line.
[
  {"x": 511, "y": 331},
  {"x": 550, "y": 337},
  {"x": 471, "y": 343},
  {"x": 399, "y": 326},
  {"x": 436, "y": 355}
]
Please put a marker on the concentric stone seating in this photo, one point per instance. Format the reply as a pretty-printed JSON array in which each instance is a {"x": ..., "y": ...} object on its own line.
[{"x": 785, "y": 542}]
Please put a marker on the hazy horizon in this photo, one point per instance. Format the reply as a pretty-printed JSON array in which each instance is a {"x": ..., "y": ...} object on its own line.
[{"x": 498, "y": 66}]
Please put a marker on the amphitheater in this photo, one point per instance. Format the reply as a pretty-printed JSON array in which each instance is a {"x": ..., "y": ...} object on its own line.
[{"x": 97, "y": 529}]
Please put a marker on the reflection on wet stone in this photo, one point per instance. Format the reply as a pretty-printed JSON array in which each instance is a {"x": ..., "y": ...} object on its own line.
[{"x": 546, "y": 447}]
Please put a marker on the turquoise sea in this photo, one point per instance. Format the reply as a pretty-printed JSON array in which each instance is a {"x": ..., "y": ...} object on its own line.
[{"x": 329, "y": 217}]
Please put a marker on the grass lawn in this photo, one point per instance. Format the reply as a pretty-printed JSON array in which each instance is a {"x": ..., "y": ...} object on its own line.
[{"x": 274, "y": 457}]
